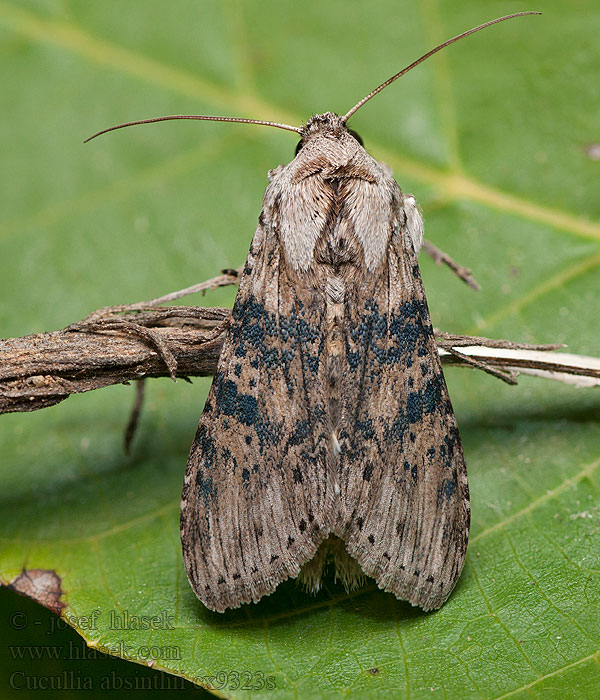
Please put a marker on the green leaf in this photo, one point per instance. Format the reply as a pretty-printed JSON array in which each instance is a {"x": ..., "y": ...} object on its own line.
[{"x": 495, "y": 136}]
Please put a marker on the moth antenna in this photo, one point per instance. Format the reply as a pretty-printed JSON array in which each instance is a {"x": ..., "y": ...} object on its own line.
[
  {"x": 195, "y": 116},
  {"x": 358, "y": 105}
]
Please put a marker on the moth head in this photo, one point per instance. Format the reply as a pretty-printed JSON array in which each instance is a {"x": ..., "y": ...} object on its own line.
[{"x": 328, "y": 124}]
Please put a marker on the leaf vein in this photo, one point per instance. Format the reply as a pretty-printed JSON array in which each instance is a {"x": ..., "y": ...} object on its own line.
[{"x": 587, "y": 471}]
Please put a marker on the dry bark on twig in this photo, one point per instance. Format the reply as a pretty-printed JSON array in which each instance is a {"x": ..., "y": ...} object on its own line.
[
  {"x": 43, "y": 369},
  {"x": 116, "y": 345}
]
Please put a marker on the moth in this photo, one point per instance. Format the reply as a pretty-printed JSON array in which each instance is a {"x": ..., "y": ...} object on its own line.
[{"x": 328, "y": 434}]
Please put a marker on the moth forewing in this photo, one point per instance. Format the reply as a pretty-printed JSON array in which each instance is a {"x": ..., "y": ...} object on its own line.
[
  {"x": 403, "y": 468},
  {"x": 328, "y": 414},
  {"x": 249, "y": 518}
]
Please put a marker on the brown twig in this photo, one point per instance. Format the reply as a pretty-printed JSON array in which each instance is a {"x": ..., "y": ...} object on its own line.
[
  {"x": 130, "y": 342},
  {"x": 507, "y": 376},
  {"x": 440, "y": 257},
  {"x": 43, "y": 369}
]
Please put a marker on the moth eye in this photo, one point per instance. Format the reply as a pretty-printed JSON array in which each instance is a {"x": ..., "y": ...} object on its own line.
[
  {"x": 356, "y": 136},
  {"x": 298, "y": 147}
]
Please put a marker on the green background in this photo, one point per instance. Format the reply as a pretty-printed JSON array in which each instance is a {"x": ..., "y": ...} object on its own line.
[{"x": 495, "y": 137}]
